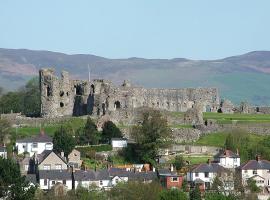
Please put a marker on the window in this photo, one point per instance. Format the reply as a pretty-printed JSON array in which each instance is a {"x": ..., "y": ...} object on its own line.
[
  {"x": 206, "y": 174},
  {"x": 64, "y": 182},
  {"x": 35, "y": 145},
  {"x": 117, "y": 180},
  {"x": 196, "y": 174},
  {"x": 174, "y": 179},
  {"x": 47, "y": 167},
  {"x": 254, "y": 172},
  {"x": 268, "y": 182},
  {"x": 53, "y": 182},
  {"x": 207, "y": 185},
  {"x": 100, "y": 182},
  {"x": 246, "y": 171},
  {"x": 45, "y": 182},
  {"x": 48, "y": 146},
  {"x": 235, "y": 160},
  {"x": 26, "y": 167},
  {"x": 58, "y": 166}
]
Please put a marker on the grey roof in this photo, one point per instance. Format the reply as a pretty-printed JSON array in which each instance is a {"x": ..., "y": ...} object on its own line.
[
  {"x": 3, "y": 149},
  {"x": 166, "y": 172},
  {"x": 132, "y": 175},
  {"x": 254, "y": 164},
  {"x": 212, "y": 167},
  {"x": 39, "y": 138},
  {"x": 55, "y": 174},
  {"x": 32, "y": 178},
  {"x": 92, "y": 175}
]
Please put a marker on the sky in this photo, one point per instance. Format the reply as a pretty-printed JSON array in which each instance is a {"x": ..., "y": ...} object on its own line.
[{"x": 194, "y": 29}]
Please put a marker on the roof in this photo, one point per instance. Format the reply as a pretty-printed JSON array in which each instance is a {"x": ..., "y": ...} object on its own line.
[
  {"x": 42, "y": 137},
  {"x": 31, "y": 178},
  {"x": 87, "y": 175},
  {"x": 166, "y": 172},
  {"x": 132, "y": 175},
  {"x": 227, "y": 154},
  {"x": 3, "y": 149},
  {"x": 55, "y": 174},
  {"x": 254, "y": 164},
  {"x": 212, "y": 167},
  {"x": 41, "y": 157}
]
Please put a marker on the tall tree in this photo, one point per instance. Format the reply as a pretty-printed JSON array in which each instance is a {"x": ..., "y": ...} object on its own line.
[
  {"x": 151, "y": 135},
  {"x": 5, "y": 130},
  {"x": 63, "y": 140},
  {"x": 12, "y": 184},
  {"x": 195, "y": 194},
  {"x": 109, "y": 131},
  {"x": 89, "y": 134},
  {"x": 179, "y": 162}
]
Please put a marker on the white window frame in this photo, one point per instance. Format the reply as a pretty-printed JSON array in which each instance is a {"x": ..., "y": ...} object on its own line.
[
  {"x": 47, "y": 167},
  {"x": 58, "y": 166}
]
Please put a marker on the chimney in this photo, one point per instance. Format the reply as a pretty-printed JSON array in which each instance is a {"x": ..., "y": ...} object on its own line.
[
  {"x": 62, "y": 154},
  {"x": 42, "y": 132},
  {"x": 208, "y": 161},
  {"x": 154, "y": 169},
  {"x": 171, "y": 167},
  {"x": 258, "y": 158},
  {"x": 237, "y": 151}
]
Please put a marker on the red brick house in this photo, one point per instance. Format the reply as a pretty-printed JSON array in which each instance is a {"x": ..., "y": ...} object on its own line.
[{"x": 170, "y": 179}]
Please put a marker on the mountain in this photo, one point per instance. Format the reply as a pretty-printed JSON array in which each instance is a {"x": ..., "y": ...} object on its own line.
[{"x": 244, "y": 77}]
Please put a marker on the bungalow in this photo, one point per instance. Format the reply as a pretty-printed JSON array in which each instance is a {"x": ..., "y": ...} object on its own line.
[
  {"x": 257, "y": 169},
  {"x": 34, "y": 145},
  {"x": 227, "y": 159},
  {"x": 48, "y": 178},
  {"x": 3, "y": 152},
  {"x": 86, "y": 178},
  {"x": 204, "y": 174}
]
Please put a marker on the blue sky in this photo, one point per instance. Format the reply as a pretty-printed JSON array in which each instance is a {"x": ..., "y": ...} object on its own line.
[{"x": 195, "y": 29}]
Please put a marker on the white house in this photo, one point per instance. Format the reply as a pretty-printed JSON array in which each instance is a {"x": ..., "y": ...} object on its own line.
[
  {"x": 86, "y": 178},
  {"x": 119, "y": 142},
  {"x": 48, "y": 178},
  {"x": 34, "y": 145},
  {"x": 204, "y": 174},
  {"x": 258, "y": 169},
  {"x": 3, "y": 152},
  {"x": 227, "y": 159}
]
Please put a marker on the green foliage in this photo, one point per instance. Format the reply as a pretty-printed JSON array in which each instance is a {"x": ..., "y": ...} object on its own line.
[
  {"x": 109, "y": 131},
  {"x": 96, "y": 148},
  {"x": 26, "y": 100},
  {"x": 179, "y": 162},
  {"x": 173, "y": 194},
  {"x": 135, "y": 190},
  {"x": 151, "y": 135},
  {"x": 63, "y": 140},
  {"x": 251, "y": 184},
  {"x": 12, "y": 184},
  {"x": 217, "y": 184},
  {"x": 5, "y": 130},
  {"x": 88, "y": 134},
  {"x": 195, "y": 194},
  {"x": 219, "y": 196}
]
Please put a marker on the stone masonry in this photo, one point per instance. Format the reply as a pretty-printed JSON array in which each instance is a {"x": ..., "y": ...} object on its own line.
[{"x": 66, "y": 97}]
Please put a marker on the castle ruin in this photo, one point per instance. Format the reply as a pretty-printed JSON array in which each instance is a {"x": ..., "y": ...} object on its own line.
[{"x": 66, "y": 97}]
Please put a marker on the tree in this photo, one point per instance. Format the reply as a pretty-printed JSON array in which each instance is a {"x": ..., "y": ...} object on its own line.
[
  {"x": 217, "y": 184},
  {"x": 219, "y": 196},
  {"x": 12, "y": 184},
  {"x": 251, "y": 185},
  {"x": 195, "y": 194},
  {"x": 172, "y": 194},
  {"x": 134, "y": 190},
  {"x": 151, "y": 135},
  {"x": 63, "y": 141},
  {"x": 110, "y": 130},
  {"x": 89, "y": 134},
  {"x": 5, "y": 130},
  {"x": 179, "y": 162}
]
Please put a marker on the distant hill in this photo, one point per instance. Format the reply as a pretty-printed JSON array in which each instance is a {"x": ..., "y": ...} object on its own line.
[{"x": 243, "y": 77}]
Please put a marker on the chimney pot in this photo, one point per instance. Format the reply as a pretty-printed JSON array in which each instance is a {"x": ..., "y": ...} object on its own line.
[{"x": 258, "y": 158}]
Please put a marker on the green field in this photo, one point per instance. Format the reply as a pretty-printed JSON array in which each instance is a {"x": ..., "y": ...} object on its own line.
[{"x": 197, "y": 159}]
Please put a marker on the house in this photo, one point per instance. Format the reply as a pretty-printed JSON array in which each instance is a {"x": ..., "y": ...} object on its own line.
[
  {"x": 227, "y": 159},
  {"x": 257, "y": 169},
  {"x": 49, "y": 178},
  {"x": 204, "y": 174},
  {"x": 118, "y": 143},
  {"x": 169, "y": 179},
  {"x": 86, "y": 178},
  {"x": 34, "y": 145},
  {"x": 3, "y": 152},
  {"x": 49, "y": 160},
  {"x": 74, "y": 159},
  {"x": 27, "y": 165}
]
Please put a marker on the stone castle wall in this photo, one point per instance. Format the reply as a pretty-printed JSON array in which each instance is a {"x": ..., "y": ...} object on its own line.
[{"x": 66, "y": 97}]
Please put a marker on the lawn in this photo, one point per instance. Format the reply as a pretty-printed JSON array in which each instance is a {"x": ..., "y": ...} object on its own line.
[{"x": 197, "y": 159}]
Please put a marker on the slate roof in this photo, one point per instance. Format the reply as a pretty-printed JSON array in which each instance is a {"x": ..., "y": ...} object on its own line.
[
  {"x": 132, "y": 175},
  {"x": 226, "y": 153},
  {"x": 254, "y": 164},
  {"x": 212, "y": 167},
  {"x": 55, "y": 174},
  {"x": 166, "y": 172},
  {"x": 3, "y": 149},
  {"x": 92, "y": 175},
  {"x": 31, "y": 178},
  {"x": 42, "y": 137}
]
